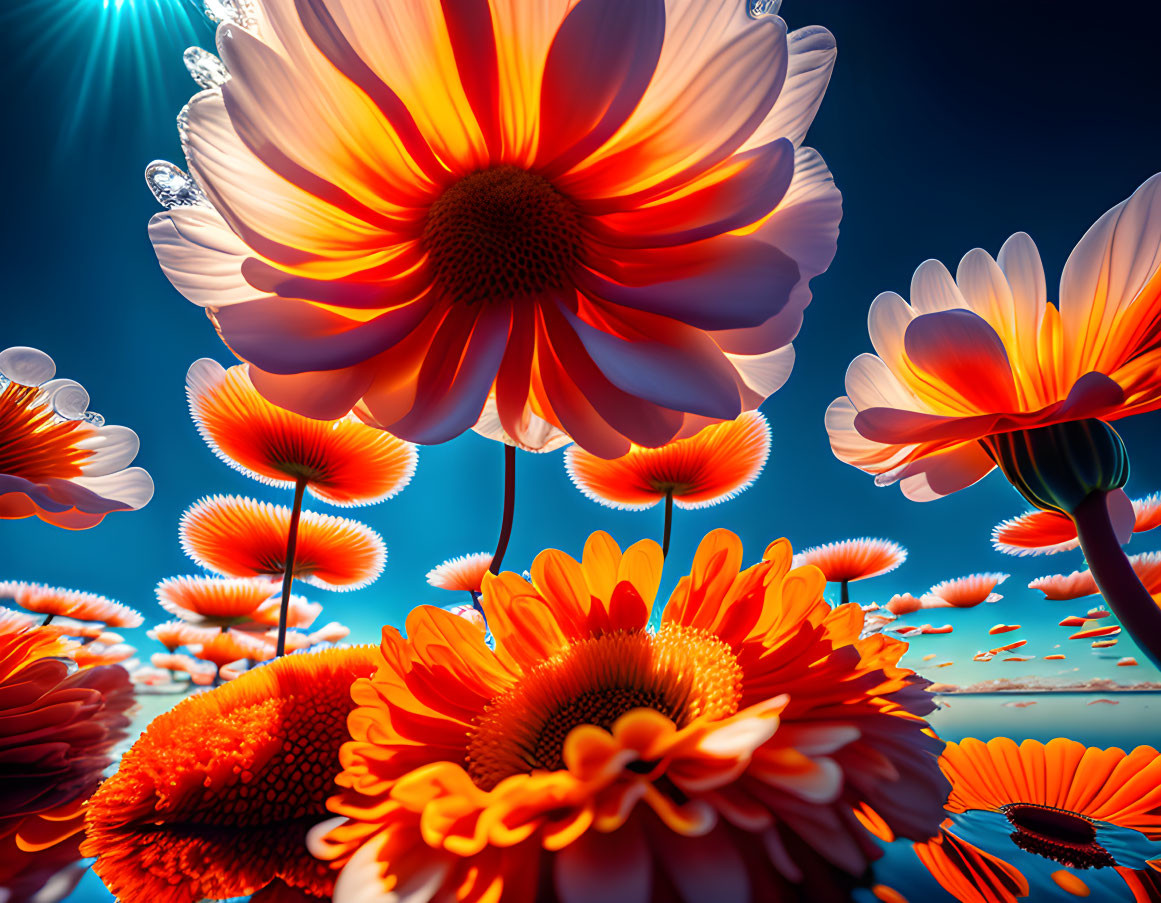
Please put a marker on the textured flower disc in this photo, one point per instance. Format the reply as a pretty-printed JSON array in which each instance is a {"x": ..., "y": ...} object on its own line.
[
  {"x": 213, "y": 601},
  {"x": 969, "y": 591},
  {"x": 69, "y": 603},
  {"x": 344, "y": 461},
  {"x": 854, "y": 559},
  {"x": 715, "y": 464},
  {"x": 57, "y": 461},
  {"x": 586, "y": 756},
  {"x": 1056, "y": 798},
  {"x": 599, "y": 213},
  {"x": 215, "y": 799},
  {"x": 986, "y": 353},
  {"x": 464, "y": 573},
  {"x": 239, "y": 537}
]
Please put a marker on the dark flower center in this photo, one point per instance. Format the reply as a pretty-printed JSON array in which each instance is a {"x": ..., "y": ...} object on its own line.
[
  {"x": 502, "y": 234},
  {"x": 1058, "y": 834}
]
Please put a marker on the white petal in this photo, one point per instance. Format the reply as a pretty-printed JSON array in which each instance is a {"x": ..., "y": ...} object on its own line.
[
  {"x": 132, "y": 486},
  {"x": 933, "y": 289},
  {"x": 765, "y": 373},
  {"x": 812, "y": 55},
  {"x": 27, "y": 366},
  {"x": 114, "y": 448}
]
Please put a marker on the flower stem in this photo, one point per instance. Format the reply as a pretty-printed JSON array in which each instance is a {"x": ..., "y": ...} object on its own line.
[
  {"x": 509, "y": 508},
  {"x": 288, "y": 565},
  {"x": 845, "y": 592},
  {"x": 667, "y": 530},
  {"x": 1120, "y": 586},
  {"x": 476, "y": 603},
  {"x": 47, "y": 620}
]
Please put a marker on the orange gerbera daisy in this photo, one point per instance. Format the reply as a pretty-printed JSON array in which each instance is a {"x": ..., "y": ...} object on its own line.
[
  {"x": 52, "y": 602},
  {"x": 56, "y": 732},
  {"x": 596, "y": 212},
  {"x": 853, "y": 559},
  {"x": 58, "y": 460},
  {"x": 344, "y": 461},
  {"x": 1082, "y": 807},
  {"x": 213, "y": 601},
  {"x": 1049, "y": 532},
  {"x": 712, "y": 466},
  {"x": 751, "y": 735},
  {"x": 965, "y": 592},
  {"x": 215, "y": 799},
  {"x": 240, "y": 537},
  {"x": 982, "y": 371},
  {"x": 1065, "y": 587},
  {"x": 228, "y": 646}
]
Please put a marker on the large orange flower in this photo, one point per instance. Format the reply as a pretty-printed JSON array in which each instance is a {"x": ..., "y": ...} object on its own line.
[
  {"x": 1082, "y": 807},
  {"x": 344, "y": 461},
  {"x": 57, "y": 459},
  {"x": 216, "y": 797},
  {"x": 56, "y": 731},
  {"x": 240, "y": 537},
  {"x": 751, "y": 735},
  {"x": 716, "y": 464},
  {"x": 1049, "y": 532},
  {"x": 597, "y": 213},
  {"x": 53, "y": 601}
]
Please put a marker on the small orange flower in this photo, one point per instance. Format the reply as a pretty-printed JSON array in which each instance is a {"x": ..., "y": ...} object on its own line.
[
  {"x": 344, "y": 462},
  {"x": 853, "y": 559},
  {"x": 55, "y": 736},
  {"x": 183, "y": 663},
  {"x": 1065, "y": 587},
  {"x": 250, "y": 764},
  {"x": 172, "y": 634},
  {"x": 212, "y": 601},
  {"x": 1058, "y": 800},
  {"x": 58, "y": 460},
  {"x": 90, "y": 655},
  {"x": 71, "y": 603},
  {"x": 1049, "y": 532},
  {"x": 300, "y": 613},
  {"x": 711, "y": 466},
  {"x": 230, "y": 646},
  {"x": 752, "y": 734},
  {"x": 240, "y": 537},
  {"x": 965, "y": 592},
  {"x": 462, "y": 574}
]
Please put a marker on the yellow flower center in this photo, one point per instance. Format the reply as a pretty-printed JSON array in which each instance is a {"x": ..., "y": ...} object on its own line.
[
  {"x": 501, "y": 234},
  {"x": 681, "y": 672},
  {"x": 1059, "y": 834}
]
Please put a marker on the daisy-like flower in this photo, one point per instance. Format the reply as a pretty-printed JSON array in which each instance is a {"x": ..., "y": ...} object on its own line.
[
  {"x": 183, "y": 663},
  {"x": 731, "y": 748},
  {"x": 173, "y": 634},
  {"x": 57, "y": 459},
  {"x": 965, "y": 592},
  {"x": 239, "y": 537},
  {"x": 56, "y": 731},
  {"x": 212, "y": 601},
  {"x": 53, "y": 601},
  {"x": 91, "y": 655},
  {"x": 1065, "y": 587},
  {"x": 848, "y": 560},
  {"x": 982, "y": 371},
  {"x": 712, "y": 466},
  {"x": 1080, "y": 807},
  {"x": 229, "y": 646},
  {"x": 344, "y": 461},
  {"x": 1049, "y": 532},
  {"x": 598, "y": 212},
  {"x": 249, "y": 764},
  {"x": 464, "y": 573}
]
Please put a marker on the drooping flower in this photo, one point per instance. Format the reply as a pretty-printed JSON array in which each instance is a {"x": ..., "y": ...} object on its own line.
[
  {"x": 982, "y": 371},
  {"x": 848, "y": 560},
  {"x": 965, "y": 592},
  {"x": 1082, "y": 807},
  {"x": 239, "y": 537},
  {"x": 598, "y": 212},
  {"x": 250, "y": 764},
  {"x": 213, "y": 601},
  {"x": 1065, "y": 587},
  {"x": 56, "y": 731},
  {"x": 53, "y": 601},
  {"x": 731, "y": 747},
  {"x": 343, "y": 461},
  {"x": 1049, "y": 532},
  {"x": 715, "y": 464},
  {"x": 464, "y": 573},
  {"x": 57, "y": 459}
]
